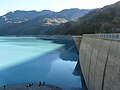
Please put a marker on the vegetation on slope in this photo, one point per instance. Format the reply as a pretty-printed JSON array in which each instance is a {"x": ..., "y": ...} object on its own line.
[
  {"x": 104, "y": 20},
  {"x": 34, "y": 23}
]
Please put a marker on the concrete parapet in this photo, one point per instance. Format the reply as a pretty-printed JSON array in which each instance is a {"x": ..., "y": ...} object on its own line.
[
  {"x": 77, "y": 40},
  {"x": 110, "y": 36}
]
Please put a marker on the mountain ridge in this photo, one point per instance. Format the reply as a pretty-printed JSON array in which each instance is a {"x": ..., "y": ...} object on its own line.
[
  {"x": 24, "y": 22},
  {"x": 101, "y": 20}
]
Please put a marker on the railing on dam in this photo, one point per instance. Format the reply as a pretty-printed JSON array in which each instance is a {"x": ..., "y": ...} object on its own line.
[{"x": 111, "y": 36}]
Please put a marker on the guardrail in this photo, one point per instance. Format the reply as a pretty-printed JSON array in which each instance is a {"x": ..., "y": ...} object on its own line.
[{"x": 111, "y": 36}]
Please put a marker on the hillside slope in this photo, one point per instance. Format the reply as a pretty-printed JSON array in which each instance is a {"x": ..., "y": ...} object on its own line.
[
  {"x": 104, "y": 20},
  {"x": 33, "y": 22}
]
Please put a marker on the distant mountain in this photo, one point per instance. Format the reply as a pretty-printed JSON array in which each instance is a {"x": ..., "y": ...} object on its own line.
[
  {"x": 23, "y": 16},
  {"x": 65, "y": 22},
  {"x": 34, "y": 22},
  {"x": 104, "y": 20},
  {"x": 73, "y": 13}
]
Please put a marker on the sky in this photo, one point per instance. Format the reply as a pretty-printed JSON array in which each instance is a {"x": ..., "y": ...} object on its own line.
[{"x": 54, "y": 5}]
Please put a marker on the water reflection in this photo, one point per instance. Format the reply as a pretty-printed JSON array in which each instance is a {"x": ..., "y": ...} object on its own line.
[
  {"x": 69, "y": 51},
  {"x": 52, "y": 67}
]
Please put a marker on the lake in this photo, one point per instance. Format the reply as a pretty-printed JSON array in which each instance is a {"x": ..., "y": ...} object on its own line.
[{"x": 31, "y": 59}]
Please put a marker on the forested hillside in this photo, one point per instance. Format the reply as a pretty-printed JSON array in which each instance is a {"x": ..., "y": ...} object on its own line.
[{"x": 103, "y": 20}]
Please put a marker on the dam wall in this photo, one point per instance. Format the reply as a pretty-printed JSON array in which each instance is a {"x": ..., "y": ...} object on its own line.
[
  {"x": 100, "y": 63},
  {"x": 77, "y": 40}
]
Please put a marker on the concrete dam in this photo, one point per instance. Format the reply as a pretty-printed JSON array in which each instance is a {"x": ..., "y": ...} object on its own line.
[{"x": 99, "y": 59}]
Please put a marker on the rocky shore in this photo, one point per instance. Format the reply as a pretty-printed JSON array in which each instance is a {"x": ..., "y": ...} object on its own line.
[{"x": 35, "y": 86}]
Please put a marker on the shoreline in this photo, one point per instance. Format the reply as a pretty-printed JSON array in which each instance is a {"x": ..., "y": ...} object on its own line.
[{"x": 32, "y": 86}]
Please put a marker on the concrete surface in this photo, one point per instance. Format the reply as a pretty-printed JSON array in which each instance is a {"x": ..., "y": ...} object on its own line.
[
  {"x": 77, "y": 40},
  {"x": 100, "y": 63}
]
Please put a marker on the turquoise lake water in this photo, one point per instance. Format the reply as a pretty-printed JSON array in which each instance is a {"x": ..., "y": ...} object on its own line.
[{"x": 30, "y": 60}]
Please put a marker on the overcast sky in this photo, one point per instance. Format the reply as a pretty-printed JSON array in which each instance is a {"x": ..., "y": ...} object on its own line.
[{"x": 54, "y": 5}]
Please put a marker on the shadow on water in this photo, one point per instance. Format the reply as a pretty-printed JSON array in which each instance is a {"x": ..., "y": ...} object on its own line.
[
  {"x": 38, "y": 68},
  {"x": 71, "y": 54},
  {"x": 69, "y": 50}
]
